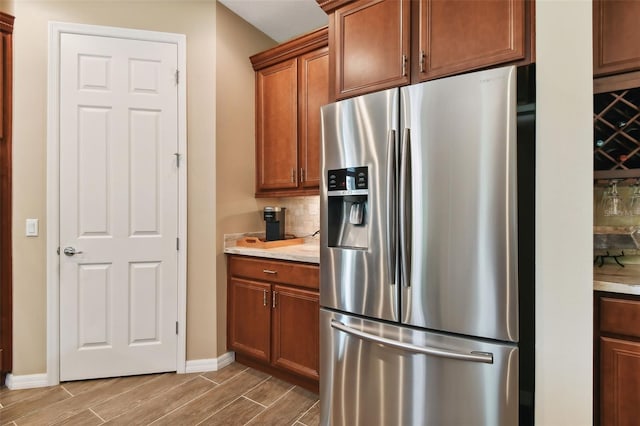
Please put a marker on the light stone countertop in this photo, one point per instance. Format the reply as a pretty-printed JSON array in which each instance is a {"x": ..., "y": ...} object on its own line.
[
  {"x": 616, "y": 279},
  {"x": 309, "y": 252},
  {"x": 609, "y": 277}
]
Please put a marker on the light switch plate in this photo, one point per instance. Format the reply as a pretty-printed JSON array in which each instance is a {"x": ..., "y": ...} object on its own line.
[{"x": 32, "y": 228}]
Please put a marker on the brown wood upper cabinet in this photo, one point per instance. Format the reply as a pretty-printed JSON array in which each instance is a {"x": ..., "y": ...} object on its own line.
[
  {"x": 377, "y": 44},
  {"x": 369, "y": 45},
  {"x": 463, "y": 35},
  {"x": 313, "y": 93},
  {"x": 616, "y": 37},
  {"x": 292, "y": 83}
]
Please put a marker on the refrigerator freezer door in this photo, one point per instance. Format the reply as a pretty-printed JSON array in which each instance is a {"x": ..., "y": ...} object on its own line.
[
  {"x": 357, "y": 238},
  {"x": 463, "y": 244},
  {"x": 381, "y": 374}
]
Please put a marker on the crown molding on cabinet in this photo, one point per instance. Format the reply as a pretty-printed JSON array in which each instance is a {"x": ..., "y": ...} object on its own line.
[
  {"x": 330, "y": 5},
  {"x": 291, "y": 49}
]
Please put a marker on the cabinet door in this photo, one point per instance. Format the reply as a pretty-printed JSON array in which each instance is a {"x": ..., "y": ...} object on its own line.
[
  {"x": 616, "y": 36},
  {"x": 2, "y": 84},
  {"x": 313, "y": 93},
  {"x": 249, "y": 318},
  {"x": 277, "y": 126},
  {"x": 372, "y": 43},
  {"x": 619, "y": 382},
  {"x": 296, "y": 330},
  {"x": 463, "y": 35}
]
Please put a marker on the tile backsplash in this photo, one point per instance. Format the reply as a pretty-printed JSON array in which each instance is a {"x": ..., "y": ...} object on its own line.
[{"x": 302, "y": 216}]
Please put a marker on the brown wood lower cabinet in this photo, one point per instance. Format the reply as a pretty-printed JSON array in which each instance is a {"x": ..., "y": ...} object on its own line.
[
  {"x": 617, "y": 359},
  {"x": 273, "y": 321},
  {"x": 250, "y": 318},
  {"x": 620, "y": 382}
]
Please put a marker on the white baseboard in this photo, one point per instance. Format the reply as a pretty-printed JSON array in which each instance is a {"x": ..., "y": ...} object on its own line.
[
  {"x": 212, "y": 364},
  {"x": 26, "y": 381}
]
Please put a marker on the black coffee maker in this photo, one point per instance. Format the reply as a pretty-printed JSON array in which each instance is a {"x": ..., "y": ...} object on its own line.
[{"x": 274, "y": 218}]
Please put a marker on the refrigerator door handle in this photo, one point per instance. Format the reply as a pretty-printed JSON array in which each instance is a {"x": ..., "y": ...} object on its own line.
[
  {"x": 404, "y": 201},
  {"x": 483, "y": 357},
  {"x": 391, "y": 203}
]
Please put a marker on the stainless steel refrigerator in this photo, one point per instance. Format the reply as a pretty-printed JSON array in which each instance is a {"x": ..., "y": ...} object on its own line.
[{"x": 419, "y": 270}]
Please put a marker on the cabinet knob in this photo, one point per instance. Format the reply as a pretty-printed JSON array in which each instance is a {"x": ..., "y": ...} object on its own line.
[
  {"x": 264, "y": 297},
  {"x": 274, "y": 299},
  {"x": 404, "y": 65},
  {"x": 269, "y": 271},
  {"x": 301, "y": 175}
]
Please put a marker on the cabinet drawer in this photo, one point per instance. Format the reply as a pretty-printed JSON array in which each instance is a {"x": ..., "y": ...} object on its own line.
[
  {"x": 620, "y": 316},
  {"x": 298, "y": 274}
]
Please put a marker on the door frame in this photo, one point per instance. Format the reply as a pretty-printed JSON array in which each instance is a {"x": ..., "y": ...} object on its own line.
[
  {"x": 56, "y": 29},
  {"x": 6, "y": 275}
]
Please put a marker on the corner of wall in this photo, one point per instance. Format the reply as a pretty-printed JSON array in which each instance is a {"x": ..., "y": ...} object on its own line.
[{"x": 237, "y": 209}]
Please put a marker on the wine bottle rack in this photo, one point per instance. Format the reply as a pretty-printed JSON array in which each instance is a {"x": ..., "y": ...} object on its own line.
[{"x": 616, "y": 119}]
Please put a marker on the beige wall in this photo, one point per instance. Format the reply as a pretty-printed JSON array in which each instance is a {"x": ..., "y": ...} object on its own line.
[
  {"x": 564, "y": 205},
  {"x": 196, "y": 19},
  {"x": 564, "y": 283},
  {"x": 237, "y": 209}
]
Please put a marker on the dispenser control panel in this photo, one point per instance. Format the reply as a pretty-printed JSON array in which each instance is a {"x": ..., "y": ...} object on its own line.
[
  {"x": 347, "y": 208},
  {"x": 349, "y": 181}
]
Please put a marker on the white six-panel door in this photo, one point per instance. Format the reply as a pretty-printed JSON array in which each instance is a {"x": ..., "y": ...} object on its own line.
[{"x": 118, "y": 206}]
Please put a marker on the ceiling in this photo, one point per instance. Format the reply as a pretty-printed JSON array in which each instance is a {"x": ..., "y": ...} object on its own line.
[{"x": 281, "y": 20}]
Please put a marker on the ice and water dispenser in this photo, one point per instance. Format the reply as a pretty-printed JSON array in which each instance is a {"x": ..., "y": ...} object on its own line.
[{"x": 348, "y": 193}]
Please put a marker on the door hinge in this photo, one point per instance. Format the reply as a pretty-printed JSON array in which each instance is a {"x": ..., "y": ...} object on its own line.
[
  {"x": 176, "y": 327},
  {"x": 177, "y": 154},
  {"x": 177, "y": 243},
  {"x": 177, "y": 76},
  {"x": 58, "y": 251}
]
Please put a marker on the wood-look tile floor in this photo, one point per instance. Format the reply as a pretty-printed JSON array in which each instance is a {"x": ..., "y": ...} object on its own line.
[{"x": 234, "y": 395}]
